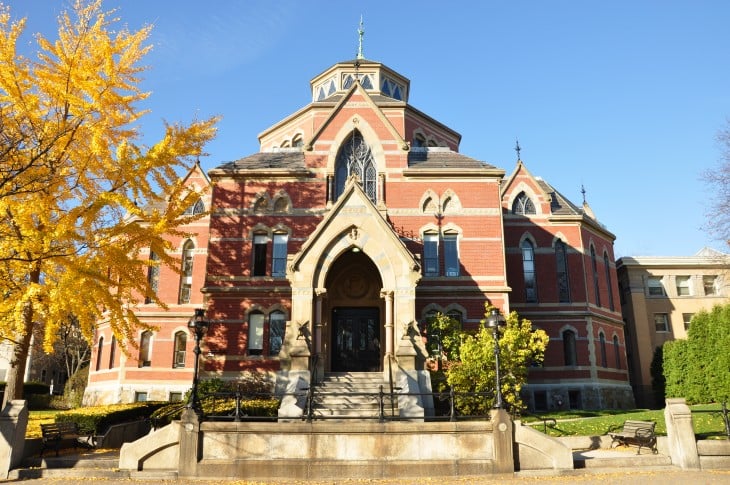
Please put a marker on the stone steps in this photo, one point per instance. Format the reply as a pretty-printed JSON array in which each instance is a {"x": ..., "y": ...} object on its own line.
[{"x": 349, "y": 395}]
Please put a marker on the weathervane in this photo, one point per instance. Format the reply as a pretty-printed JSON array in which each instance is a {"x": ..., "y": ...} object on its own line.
[
  {"x": 517, "y": 148},
  {"x": 360, "y": 34},
  {"x": 583, "y": 191}
]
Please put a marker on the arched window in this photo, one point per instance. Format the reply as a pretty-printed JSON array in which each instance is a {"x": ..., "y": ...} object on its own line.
[
  {"x": 355, "y": 158},
  {"x": 181, "y": 341},
  {"x": 112, "y": 352},
  {"x": 145, "y": 349},
  {"x": 602, "y": 341},
  {"x": 153, "y": 275},
  {"x": 561, "y": 263},
  {"x": 281, "y": 205},
  {"x": 255, "y": 333},
  {"x": 451, "y": 254},
  {"x": 430, "y": 254},
  {"x": 297, "y": 141},
  {"x": 570, "y": 354},
  {"x": 528, "y": 269},
  {"x": 278, "y": 258},
  {"x": 99, "y": 353},
  {"x": 616, "y": 352},
  {"x": 596, "y": 286},
  {"x": 196, "y": 207},
  {"x": 607, "y": 269},
  {"x": 277, "y": 326},
  {"x": 523, "y": 205},
  {"x": 186, "y": 278}
]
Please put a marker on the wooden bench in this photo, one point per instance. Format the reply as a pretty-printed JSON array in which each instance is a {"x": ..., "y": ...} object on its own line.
[
  {"x": 637, "y": 433},
  {"x": 57, "y": 434}
]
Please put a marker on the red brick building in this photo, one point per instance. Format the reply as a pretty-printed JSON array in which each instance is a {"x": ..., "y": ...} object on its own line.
[{"x": 356, "y": 220}]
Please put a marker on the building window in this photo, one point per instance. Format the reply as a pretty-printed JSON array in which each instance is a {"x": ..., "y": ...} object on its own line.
[
  {"x": 255, "y": 333},
  {"x": 528, "y": 269},
  {"x": 523, "y": 205},
  {"x": 196, "y": 207},
  {"x": 541, "y": 401},
  {"x": 355, "y": 158},
  {"x": 281, "y": 205},
  {"x": 260, "y": 241},
  {"x": 683, "y": 286},
  {"x": 175, "y": 397},
  {"x": 278, "y": 261},
  {"x": 655, "y": 286},
  {"x": 607, "y": 270},
  {"x": 687, "y": 319},
  {"x": 451, "y": 254},
  {"x": 181, "y": 341},
  {"x": 456, "y": 315},
  {"x": 186, "y": 276},
  {"x": 602, "y": 342},
  {"x": 277, "y": 326},
  {"x": 616, "y": 352},
  {"x": 140, "y": 396},
  {"x": 570, "y": 354},
  {"x": 431, "y": 254},
  {"x": 661, "y": 322},
  {"x": 561, "y": 262},
  {"x": 297, "y": 141},
  {"x": 112, "y": 352},
  {"x": 596, "y": 285},
  {"x": 574, "y": 399},
  {"x": 145, "y": 348},
  {"x": 153, "y": 275},
  {"x": 709, "y": 283},
  {"x": 99, "y": 353}
]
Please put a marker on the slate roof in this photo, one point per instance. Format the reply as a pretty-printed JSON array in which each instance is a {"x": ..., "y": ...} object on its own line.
[
  {"x": 560, "y": 205},
  {"x": 289, "y": 160},
  {"x": 433, "y": 159}
]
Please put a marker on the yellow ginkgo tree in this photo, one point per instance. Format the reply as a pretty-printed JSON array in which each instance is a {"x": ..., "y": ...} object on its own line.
[{"x": 79, "y": 193}]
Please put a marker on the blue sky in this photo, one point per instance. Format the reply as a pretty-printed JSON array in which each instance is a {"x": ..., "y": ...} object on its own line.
[{"x": 622, "y": 97}]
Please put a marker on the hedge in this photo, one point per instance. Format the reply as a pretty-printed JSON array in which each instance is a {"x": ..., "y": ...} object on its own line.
[{"x": 97, "y": 419}]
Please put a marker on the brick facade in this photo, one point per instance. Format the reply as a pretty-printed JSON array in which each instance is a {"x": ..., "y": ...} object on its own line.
[{"x": 357, "y": 219}]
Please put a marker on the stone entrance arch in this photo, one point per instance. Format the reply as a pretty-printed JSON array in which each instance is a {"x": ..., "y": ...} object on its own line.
[{"x": 354, "y": 234}]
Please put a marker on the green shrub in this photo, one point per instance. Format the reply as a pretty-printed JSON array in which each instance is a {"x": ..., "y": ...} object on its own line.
[
  {"x": 73, "y": 392},
  {"x": 97, "y": 419}
]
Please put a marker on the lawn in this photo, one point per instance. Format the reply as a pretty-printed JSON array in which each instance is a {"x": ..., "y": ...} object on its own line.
[{"x": 706, "y": 417}]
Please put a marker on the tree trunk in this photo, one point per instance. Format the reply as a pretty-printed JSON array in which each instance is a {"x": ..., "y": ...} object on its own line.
[{"x": 16, "y": 372}]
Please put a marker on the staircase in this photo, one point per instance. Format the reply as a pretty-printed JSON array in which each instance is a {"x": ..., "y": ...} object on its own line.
[{"x": 353, "y": 395}]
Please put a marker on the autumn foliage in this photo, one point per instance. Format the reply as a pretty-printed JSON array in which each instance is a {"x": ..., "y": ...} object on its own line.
[{"x": 79, "y": 194}]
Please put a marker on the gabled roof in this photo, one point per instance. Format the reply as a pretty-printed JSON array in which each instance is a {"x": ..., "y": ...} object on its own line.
[
  {"x": 442, "y": 158},
  {"x": 281, "y": 160}
]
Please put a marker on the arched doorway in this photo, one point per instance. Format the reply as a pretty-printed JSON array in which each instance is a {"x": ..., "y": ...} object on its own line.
[{"x": 355, "y": 312}]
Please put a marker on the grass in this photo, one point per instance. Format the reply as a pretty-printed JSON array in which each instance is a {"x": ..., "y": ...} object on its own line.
[{"x": 707, "y": 421}]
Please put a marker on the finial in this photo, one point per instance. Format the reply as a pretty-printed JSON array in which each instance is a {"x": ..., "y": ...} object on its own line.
[
  {"x": 360, "y": 34},
  {"x": 583, "y": 191},
  {"x": 517, "y": 148}
]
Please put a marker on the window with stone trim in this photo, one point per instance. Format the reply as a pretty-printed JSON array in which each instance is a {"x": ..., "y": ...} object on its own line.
[
  {"x": 278, "y": 258},
  {"x": 430, "y": 254},
  {"x": 602, "y": 343},
  {"x": 528, "y": 271},
  {"x": 684, "y": 285},
  {"x": 523, "y": 205},
  {"x": 145, "y": 349},
  {"x": 179, "y": 352},
  {"x": 260, "y": 243},
  {"x": 99, "y": 352},
  {"x": 451, "y": 254},
  {"x": 596, "y": 285},
  {"x": 277, "y": 326},
  {"x": 709, "y": 284},
  {"x": 616, "y": 352},
  {"x": 255, "y": 333},
  {"x": 570, "y": 354},
  {"x": 186, "y": 275},
  {"x": 655, "y": 286},
  {"x": 609, "y": 284},
  {"x": 355, "y": 158},
  {"x": 153, "y": 275},
  {"x": 561, "y": 262},
  {"x": 661, "y": 322}
]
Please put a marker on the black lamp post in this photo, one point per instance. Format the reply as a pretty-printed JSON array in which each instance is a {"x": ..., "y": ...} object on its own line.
[
  {"x": 199, "y": 326},
  {"x": 494, "y": 321}
]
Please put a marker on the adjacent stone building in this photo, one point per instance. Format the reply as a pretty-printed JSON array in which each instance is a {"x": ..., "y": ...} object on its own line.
[
  {"x": 357, "y": 220},
  {"x": 659, "y": 296}
]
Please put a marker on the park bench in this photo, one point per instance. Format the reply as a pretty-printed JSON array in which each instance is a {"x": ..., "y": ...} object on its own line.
[
  {"x": 58, "y": 434},
  {"x": 637, "y": 433}
]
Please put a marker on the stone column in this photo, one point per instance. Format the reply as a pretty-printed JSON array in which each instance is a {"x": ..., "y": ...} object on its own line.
[
  {"x": 321, "y": 294},
  {"x": 681, "y": 434},
  {"x": 388, "y": 295},
  {"x": 189, "y": 444},
  {"x": 13, "y": 423},
  {"x": 503, "y": 445}
]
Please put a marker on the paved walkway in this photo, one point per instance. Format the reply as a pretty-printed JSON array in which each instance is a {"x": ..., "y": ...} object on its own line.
[{"x": 629, "y": 478}]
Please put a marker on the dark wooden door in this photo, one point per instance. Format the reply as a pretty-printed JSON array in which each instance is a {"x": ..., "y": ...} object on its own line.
[{"x": 356, "y": 339}]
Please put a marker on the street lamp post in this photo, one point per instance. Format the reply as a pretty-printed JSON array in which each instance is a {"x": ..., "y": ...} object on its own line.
[
  {"x": 494, "y": 321},
  {"x": 199, "y": 326}
]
